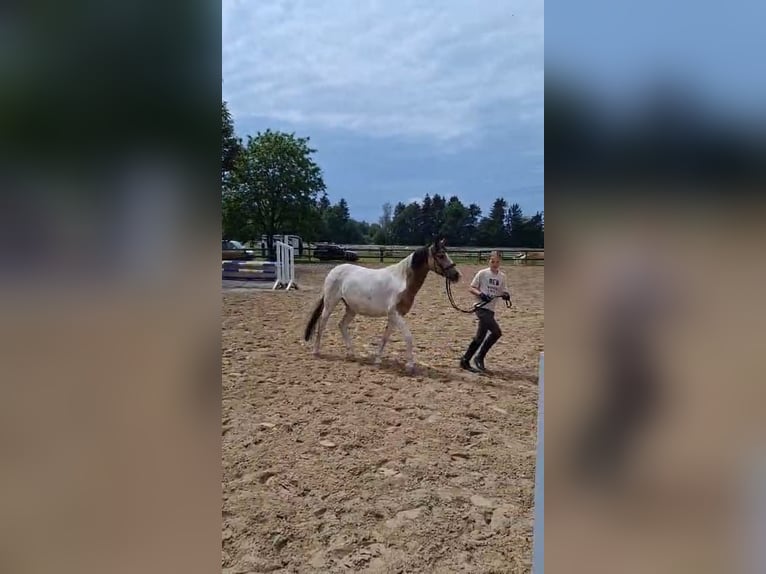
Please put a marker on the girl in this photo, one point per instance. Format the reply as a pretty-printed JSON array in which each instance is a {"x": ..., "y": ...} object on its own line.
[{"x": 487, "y": 284}]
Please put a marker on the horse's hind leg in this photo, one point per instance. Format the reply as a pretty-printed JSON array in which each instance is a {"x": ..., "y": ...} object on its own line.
[
  {"x": 329, "y": 307},
  {"x": 344, "y": 323}
]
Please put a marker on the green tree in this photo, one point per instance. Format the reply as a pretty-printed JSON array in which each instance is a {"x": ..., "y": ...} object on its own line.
[
  {"x": 362, "y": 231},
  {"x": 438, "y": 207},
  {"x": 320, "y": 231},
  {"x": 355, "y": 232},
  {"x": 395, "y": 229},
  {"x": 376, "y": 233},
  {"x": 525, "y": 231},
  {"x": 235, "y": 223},
  {"x": 535, "y": 231},
  {"x": 340, "y": 227},
  {"x": 406, "y": 224},
  {"x": 492, "y": 228},
  {"x": 381, "y": 235},
  {"x": 336, "y": 220},
  {"x": 277, "y": 183},
  {"x": 472, "y": 224},
  {"x": 427, "y": 228},
  {"x": 455, "y": 225},
  {"x": 386, "y": 218},
  {"x": 515, "y": 225},
  {"x": 231, "y": 147}
]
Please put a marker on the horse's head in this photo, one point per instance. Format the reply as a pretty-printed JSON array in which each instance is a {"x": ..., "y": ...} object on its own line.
[{"x": 440, "y": 263}]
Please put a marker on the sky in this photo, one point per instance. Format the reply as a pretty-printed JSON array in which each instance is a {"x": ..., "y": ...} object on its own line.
[{"x": 399, "y": 98}]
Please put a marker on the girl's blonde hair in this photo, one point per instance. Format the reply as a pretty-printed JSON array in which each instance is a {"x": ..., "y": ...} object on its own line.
[{"x": 496, "y": 254}]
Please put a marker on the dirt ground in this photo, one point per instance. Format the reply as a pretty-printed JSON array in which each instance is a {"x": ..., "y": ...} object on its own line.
[{"x": 338, "y": 465}]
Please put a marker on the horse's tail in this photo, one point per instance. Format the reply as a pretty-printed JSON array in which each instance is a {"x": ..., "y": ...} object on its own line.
[{"x": 315, "y": 314}]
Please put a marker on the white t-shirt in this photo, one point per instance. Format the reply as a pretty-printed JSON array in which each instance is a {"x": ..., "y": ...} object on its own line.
[{"x": 491, "y": 283}]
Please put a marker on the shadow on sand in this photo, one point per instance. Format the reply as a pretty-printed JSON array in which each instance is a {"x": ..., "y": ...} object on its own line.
[{"x": 444, "y": 373}]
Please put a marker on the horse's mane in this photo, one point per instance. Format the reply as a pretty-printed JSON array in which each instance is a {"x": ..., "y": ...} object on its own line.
[{"x": 413, "y": 262}]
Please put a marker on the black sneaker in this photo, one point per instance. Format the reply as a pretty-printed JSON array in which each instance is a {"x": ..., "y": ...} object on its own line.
[
  {"x": 479, "y": 362},
  {"x": 466, "y": 365}
]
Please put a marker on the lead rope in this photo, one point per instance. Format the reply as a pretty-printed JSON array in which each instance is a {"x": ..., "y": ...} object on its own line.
[{"x": 473, "y": 309}]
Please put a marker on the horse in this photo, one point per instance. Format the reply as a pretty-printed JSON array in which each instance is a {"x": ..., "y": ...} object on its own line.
[{"x": 389, "y": 291}]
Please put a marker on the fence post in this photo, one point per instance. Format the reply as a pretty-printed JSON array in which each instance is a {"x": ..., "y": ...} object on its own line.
[{"x": 381, "y": 255}]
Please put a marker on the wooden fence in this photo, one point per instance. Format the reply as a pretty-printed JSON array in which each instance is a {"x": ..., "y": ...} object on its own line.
[
  {"x": 391, "y": 253},
  {"x": 386, "y": 253}
]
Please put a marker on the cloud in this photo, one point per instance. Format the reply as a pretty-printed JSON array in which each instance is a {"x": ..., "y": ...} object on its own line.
[{"x": 445, "y": 72}]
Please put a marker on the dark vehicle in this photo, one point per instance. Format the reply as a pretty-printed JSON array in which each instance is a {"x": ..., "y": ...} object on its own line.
[
  {"x": 330, "y": 252},
  {"x": 231, "y": 250}
]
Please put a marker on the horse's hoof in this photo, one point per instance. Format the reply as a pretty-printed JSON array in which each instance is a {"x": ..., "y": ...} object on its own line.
[
  {"x": 316, "y": 353},
  {"x": 410, "y": 368},
  {"x": 378, "y": 361}
]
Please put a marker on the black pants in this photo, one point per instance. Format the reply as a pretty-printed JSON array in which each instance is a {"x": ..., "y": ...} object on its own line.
[{"x": 487, "y": 324}]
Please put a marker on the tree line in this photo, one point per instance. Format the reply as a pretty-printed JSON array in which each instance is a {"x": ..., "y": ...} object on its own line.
[
  {"x": 417, "y": 222},
  {"x": 272, "y": 185}
]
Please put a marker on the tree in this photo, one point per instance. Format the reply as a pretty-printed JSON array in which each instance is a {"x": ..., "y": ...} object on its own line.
[
  {"x": 535, "y": 231},
  {"x": 355, "y": 232},
  {"x": 406, "y": 224},
  {"x": 492, "y": 228},
  {"x": 381, "y": 237},
  {"x": 231, "y": 147},
  {"x": 335, "y": 218},
  {"x": 515, "y": 225},
  {"x": 438, "y": 205},
  {"x": 235, "y": 223},
  {"x": 320, "y": 232},
  {"x": 374, "y": 233},
  {"x": 337, "y": 224},
  {"x": 472, "y": 225},
  {"x": 455, "y": 226},
  {"x": 396, "y": 228},
  {"x": 525, "y": 231},
  {"x": 277, "y": 183},
  {"x": 426, "y": 228}
]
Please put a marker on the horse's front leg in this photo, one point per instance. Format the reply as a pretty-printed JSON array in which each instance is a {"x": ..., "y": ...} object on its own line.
[
  {"x": 344, "y": 323},
  {"x": 398, "y": 322},
  {"x": 386, "y": 335}
]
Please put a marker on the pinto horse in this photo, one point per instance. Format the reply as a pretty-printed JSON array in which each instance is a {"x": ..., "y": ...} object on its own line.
[{"x": 389, "y": 291}]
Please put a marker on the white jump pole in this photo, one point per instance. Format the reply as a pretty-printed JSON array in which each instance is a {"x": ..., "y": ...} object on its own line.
[
  {"x": 285, "y": 266},
  {"x": 538, "y": 558}
]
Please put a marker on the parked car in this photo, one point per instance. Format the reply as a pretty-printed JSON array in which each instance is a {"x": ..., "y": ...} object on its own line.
[
  {"x": 330, "y": 252},
  {"x": 231, "y": 249}
]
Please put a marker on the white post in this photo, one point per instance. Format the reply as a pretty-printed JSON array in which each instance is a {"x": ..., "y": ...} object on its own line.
[
  {"x": 285, "y": 266},
  {"x": 291, "y": 268},
  {"x": 538, "y": 546}
]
